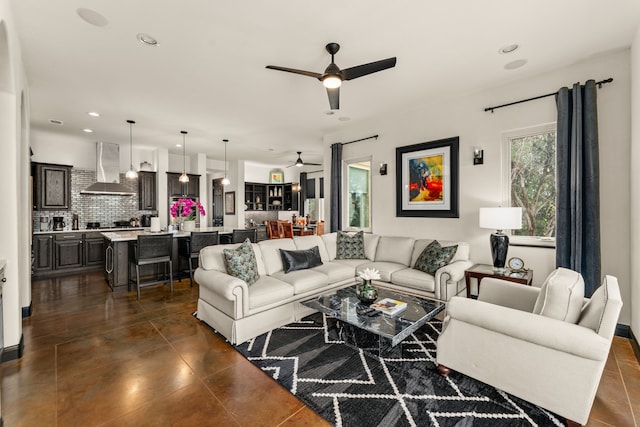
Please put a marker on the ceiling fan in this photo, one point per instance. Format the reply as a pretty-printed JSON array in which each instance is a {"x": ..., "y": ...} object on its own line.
[
  {"x": 333, "y": 76},
  {"x": 299, "y": 163}
]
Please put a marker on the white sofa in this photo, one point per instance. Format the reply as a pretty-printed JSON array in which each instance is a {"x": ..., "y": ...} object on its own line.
[{"x": 241, "y": 312}]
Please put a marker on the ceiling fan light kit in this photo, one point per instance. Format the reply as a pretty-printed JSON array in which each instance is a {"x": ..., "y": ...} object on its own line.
[
  {"x": 333, "y": 76},
  {"x": 299, "y": 163}
]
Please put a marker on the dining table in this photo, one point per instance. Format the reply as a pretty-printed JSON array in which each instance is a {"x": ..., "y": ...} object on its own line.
[{"x": 304, "y": 230}]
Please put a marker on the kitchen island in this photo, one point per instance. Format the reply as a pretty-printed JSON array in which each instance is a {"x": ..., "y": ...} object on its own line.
[{"x": 116, "y": 263}]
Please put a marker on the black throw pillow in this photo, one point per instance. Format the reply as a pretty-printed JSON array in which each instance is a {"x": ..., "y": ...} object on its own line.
[{"x": 300, "y": 260}]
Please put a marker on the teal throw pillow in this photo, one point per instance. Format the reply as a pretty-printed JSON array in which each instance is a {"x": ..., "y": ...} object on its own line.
[
  {"x": 350, "y": 247},
  {"x": 241, "y": 263},
  {"x": 435, "y": 256}
]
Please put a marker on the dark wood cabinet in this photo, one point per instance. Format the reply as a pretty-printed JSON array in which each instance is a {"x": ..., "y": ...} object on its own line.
[
  {"x": 68, "y": 252},
  {"x": 147, "y": 191},
  {"x": 175, "y": 188},
  {"x": 272, "y": 197},
  {"x": 93, "y": 249},
  {"x": 60, "y": 253},
  {"x": 52, "y": 186},
  {"x": 42, "y": 252}
]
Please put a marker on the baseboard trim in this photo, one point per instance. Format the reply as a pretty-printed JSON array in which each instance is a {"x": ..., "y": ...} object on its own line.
[
  {"x": 27, "y": 311},
  {"x": 634, "y": 345},
  {"x": 14, "y": 352},
  {"x": 622, "y": 330}
]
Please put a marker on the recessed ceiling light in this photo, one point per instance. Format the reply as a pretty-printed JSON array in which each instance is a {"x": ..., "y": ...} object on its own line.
[
  {"x": 178, "y": 145},
  {"x": 147, "y": 39},
  {"x": 329, "y": 113},
  {"x": 344, "y": 119},
  {"x": 87, "y": 130},
  {"x": 56, "y": 122},
  {"x": 508, "y": 49},
  {"x": 92, "y": 17},
  {"x": 515, "y": 64},
  {"x": 93, "y": 114}
]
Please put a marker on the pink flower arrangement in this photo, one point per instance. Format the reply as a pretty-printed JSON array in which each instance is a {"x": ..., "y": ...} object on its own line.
[{"x": 184, "y": 208}]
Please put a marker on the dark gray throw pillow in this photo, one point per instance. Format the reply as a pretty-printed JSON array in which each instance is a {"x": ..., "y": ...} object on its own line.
[
  {"x": 350, "y": 247},
  {"x": 300, "y": 260},
  {"x": 435, "y": 256}
]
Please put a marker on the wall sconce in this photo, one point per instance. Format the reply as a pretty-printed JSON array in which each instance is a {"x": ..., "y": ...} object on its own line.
[
  {"x": 383, "y": 168},
  {"x": 478, "y": 156}
]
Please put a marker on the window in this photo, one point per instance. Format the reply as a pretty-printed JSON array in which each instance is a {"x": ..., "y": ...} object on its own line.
[
  {"x": 531, "y": 181},
  {"x": 358, "y": 195}
]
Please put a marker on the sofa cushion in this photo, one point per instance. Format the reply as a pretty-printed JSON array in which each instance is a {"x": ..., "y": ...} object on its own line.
[
  {"x": 434, "y": 256},
  {"x": 300, "y": 259},
  {"x": 350, "y": 246},
  {"x": 561, "y": 296},
  {"x": 271, "y": 253},
  {"x": 593, "y": 311},
  {"x": 307, "y": 242},
  {"x": 395, "y": 249},
  {"x": 337, "y": 271},
  {"x": 303, "y": 280},
  {"x": 384, "y": 268},
  {"x": 415, "y": 279},
  {"x": 241, "y": 262},
  {"x": 268, "y": 290}
]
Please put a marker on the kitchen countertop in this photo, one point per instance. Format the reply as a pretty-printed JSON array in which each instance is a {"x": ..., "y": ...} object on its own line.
[
  {"x": 127, "y": 235},
  {"x": 88, "y": 230}
]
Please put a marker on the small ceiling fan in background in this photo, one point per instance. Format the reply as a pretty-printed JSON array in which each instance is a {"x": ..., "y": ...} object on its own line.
[
  {"x": 299, "y": 163},
  {"x": 333, "y": 76}
]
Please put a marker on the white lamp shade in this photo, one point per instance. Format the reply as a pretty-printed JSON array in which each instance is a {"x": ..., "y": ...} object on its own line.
[{"x": 501, "y": 218}]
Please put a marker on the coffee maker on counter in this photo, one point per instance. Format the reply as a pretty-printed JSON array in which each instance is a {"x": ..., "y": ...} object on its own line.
[{"x": 58, "y": 223}]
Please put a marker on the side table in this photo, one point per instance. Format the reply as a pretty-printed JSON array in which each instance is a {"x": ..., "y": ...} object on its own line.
[{"x": 480, "y": 271}]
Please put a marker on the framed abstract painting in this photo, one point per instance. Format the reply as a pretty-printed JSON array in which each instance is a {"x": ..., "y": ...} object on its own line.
[{"x": 427, "y": 179}]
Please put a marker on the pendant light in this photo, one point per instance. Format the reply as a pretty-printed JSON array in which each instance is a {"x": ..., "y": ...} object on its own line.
[
  {"x": 131, "y": 173},
  {"x": 184, "y": 177},
  {"x": 225, "y": 181}
]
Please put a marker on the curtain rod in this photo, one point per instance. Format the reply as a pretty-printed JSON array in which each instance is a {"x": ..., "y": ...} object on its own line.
[
  {"x": 358, "y": 140},
  {"x": 600, "y": 83}
]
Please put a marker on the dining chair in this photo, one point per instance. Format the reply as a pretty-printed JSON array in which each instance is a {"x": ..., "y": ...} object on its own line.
[
  {"x": 287, "y": 229},
  {"x": 189, "y": 248},
  {"x": 275, "y": 230},
  {"x": 149, "y": 250},
  {"x": 320, "y": 228},
  {"x": 239, "y": 235}
]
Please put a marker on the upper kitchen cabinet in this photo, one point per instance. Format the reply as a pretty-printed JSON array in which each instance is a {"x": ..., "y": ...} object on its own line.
[
  {"x": 52, "y": 186},
  {"x": 147, "y": 191},
  {"x": 175, "y": 188}
]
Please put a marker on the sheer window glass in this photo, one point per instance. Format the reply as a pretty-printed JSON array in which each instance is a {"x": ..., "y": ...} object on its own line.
[
  {"x": 530, "y": 176},
  {"x": 358, "y": 195}
]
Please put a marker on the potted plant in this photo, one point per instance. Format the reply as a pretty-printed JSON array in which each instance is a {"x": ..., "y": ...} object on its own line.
[{"x": 184, "y": 210}]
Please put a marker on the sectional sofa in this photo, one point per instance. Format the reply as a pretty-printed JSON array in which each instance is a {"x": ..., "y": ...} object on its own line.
[{"x": 241, "y": 312}]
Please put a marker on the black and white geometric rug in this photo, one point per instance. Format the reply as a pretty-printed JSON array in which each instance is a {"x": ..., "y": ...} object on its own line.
[{"x": 349, "y": 387}]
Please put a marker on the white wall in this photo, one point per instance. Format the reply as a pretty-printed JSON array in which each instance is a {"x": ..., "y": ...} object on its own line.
[
  {"x": 260, "y": 173},
  {"x": 480, "y": 186},
  {"x": 635, "y": 186}
]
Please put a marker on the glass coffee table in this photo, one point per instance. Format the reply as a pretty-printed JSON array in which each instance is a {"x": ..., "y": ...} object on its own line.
[{"x": 381, "y": 333}]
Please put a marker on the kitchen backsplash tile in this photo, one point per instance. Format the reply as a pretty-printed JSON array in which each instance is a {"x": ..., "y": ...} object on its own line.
[{"x": 95, "y": 208}]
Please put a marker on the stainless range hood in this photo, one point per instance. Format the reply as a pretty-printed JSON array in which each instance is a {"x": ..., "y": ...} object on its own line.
[{"x": 108, "y": 172}]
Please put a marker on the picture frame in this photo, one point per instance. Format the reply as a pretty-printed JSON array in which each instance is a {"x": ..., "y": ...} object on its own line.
[
  {"x": 230, "y": 203},
  {"x": 276, "y": 176},
  {"x": 427, "y": 179}
]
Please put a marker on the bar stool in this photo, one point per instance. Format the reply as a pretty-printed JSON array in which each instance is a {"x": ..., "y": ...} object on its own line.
[
  {"x": 148, "y": 250},
  {"x": 189, "y": 248},
  {"x": 239, "y": 235}
]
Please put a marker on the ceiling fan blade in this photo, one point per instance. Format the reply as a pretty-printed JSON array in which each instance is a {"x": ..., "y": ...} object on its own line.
[
  {"x": 312, "y": 164},
  {"x": 334, "y": 98},
  {"x": 372, "y": 67},
  {"x": 293, "y": 70}
]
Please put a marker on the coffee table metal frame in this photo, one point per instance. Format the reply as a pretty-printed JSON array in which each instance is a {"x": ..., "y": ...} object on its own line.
[{"x": 382, "y": 332}]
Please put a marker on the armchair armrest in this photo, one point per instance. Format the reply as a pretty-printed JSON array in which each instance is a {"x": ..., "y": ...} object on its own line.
[
  {"x": 540, "y": 330},
  {"x": 508, "y": 294}
]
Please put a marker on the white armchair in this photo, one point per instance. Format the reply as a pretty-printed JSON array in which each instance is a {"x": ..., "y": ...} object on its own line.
[{"x": 533, "y": 342}]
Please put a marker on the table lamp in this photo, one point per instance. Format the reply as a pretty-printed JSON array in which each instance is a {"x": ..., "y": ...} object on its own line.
[{"x": 500, "y": 219}]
